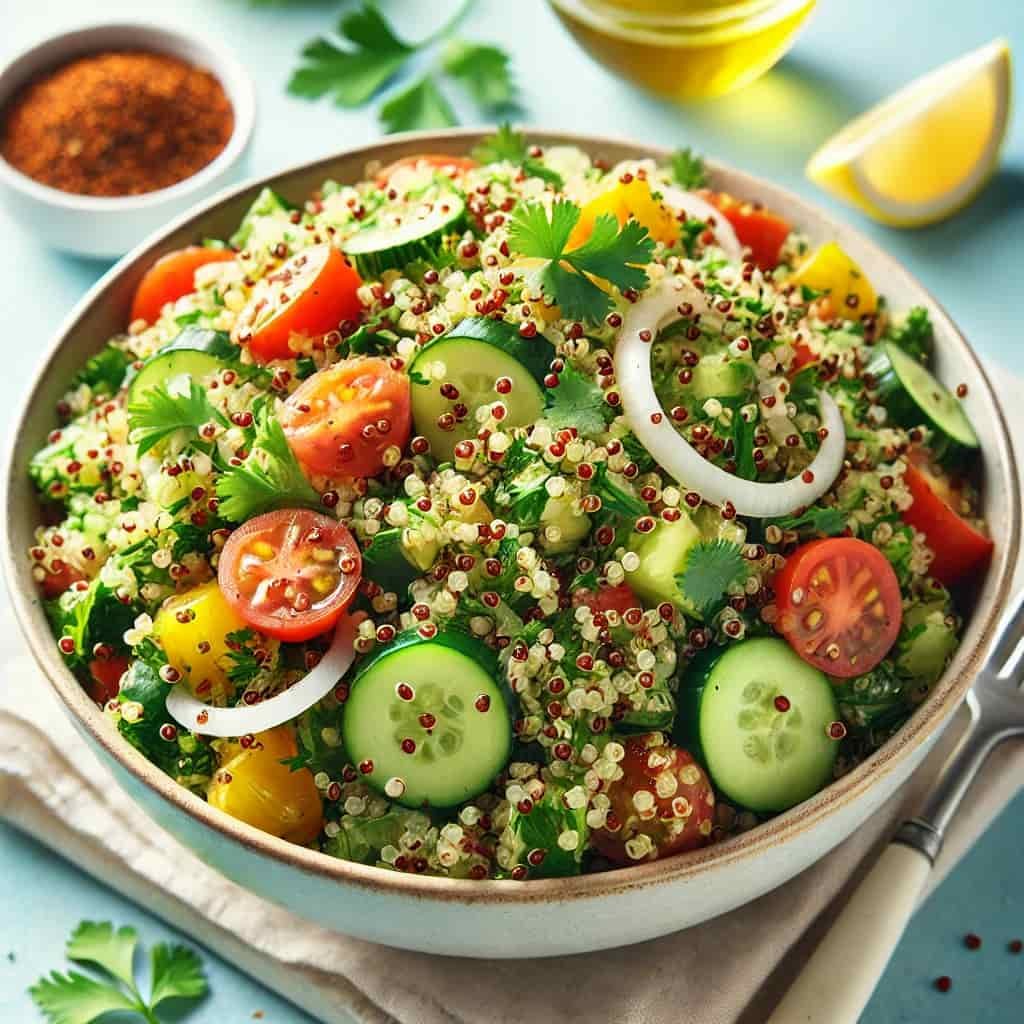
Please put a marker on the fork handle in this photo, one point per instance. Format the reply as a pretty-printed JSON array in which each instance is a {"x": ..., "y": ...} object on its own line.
[{"x": 838, "y": 979}]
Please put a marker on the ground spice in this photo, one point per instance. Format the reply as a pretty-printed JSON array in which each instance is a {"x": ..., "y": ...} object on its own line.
[{"x": 117, "y": 124}]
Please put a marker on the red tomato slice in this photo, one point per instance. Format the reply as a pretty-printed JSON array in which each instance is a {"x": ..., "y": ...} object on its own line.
[
  {"x": 453, "y": 166},
  {"x": 762, "y": 231},
  {"x": 309, "y": 294},
  {"x": 171, "y": 277},
  {"x": 655, "y": 826},
  {"x": 106, "y": 677},
  {"x": 290, "y": 574},
  {"x": 802, "y": 356},
  {"x": 341, "y": 420},
  {"x": 59, "y": 576},
  {"x": 839, "y": 605},
  {"x": 961, "y": 551},
  {"x": 619, "y": 598}
]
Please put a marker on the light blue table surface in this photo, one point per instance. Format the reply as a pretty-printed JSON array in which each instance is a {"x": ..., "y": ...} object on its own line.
[{"x": 852, "y": 53}]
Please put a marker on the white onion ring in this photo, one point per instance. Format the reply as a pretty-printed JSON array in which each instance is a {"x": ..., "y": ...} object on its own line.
[
  {"x": 701, "y": 209},
  {"x": 203, "y": 718},
  {"x": 674, "y": 453}
]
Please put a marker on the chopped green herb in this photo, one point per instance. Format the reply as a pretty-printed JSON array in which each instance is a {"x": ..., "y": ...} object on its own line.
[
  {"x": 688, "y": 169},
  {"x": 159, "y": 413},
  {"x": 712, "y": 567},
  {"x": 577, "y": 402},
  {"x": 508, "y": 145}
]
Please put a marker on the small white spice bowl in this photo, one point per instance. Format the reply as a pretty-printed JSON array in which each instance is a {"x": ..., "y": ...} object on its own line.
[{"x": 107, "y": 227}]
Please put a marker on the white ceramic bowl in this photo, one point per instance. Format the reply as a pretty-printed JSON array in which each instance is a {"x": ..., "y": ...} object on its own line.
[
  {"x": 504, "y": 918},
  {"x": 108, "y": 227}
]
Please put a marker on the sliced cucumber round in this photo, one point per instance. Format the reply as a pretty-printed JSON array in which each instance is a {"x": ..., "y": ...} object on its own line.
[
  {"x": 426, "y": 721},
  {"x": 472, "y": 357},
  {"x": 914, "y": 398},
  {"x": 196, "y": 351},
  {"x": 416, "y": 233},
  {"x": 758, "y": 716}
]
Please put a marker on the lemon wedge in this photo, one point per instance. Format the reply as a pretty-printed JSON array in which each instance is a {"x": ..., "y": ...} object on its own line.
[{"x": 925, "y": 152}]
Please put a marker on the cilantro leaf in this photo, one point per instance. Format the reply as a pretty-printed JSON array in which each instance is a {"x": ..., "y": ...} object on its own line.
[
  {"x": 483, "y": 70},
  {"x": 159, "y": 413},
  {"x": 826, "y": 521},
  {"x": 73, "y": 998},
  {"x": 576, "y": 402},
  {"x": 712, "y": 567},
  {"x": 104, "y": 372},
  {"x": 421, "y": 106},
  {"x": 611, "y": 253},
  {"x": 96, "y": 942},
  {"x": 352, "y": 74},
  {"x": 614, "y": 497},
  {"x": 269, "y": 478},
  {"x": 508, "y": 145},
  {"x": 688, "y": 169},
  {"x": 177, "y": 974}
]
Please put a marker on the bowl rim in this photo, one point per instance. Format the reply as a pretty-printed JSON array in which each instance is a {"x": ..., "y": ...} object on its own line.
[
  {"x": 923, "y": 725},
  {"x": 156, "y": 37}
]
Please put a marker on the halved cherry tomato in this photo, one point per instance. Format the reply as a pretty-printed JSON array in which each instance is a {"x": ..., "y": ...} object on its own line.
[
  {"x": 309, "y": 294},
  {"x": 619, "y": 598},
  {"x": 171, "y": 277},
  {"x": 444, "y": 162},
  {"x": 342, "y": 419},
  {"x": 663, "y": 804},
  {"x": 802, "y": 356},
  {"x": 291, "y": 573},
  {"x": 762, "y": 231},
  {"x": 105, "y": 681},
  {"x": 839, "y": 605},
  {"x": 960, "y": 549},
  {"x": 59, "y": 576}
]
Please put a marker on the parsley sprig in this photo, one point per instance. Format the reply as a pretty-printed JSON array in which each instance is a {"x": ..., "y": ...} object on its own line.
[
  {"x": 688, "y": 169},
  {"x": 76, "y": 998},
  {"x": 270, "y": 477},
  {"x": 160, "y": 412},
  {"x": 508, "y": 145},
  {"x": 367, "y": 54},
  {"x": 612, "y": 253}
]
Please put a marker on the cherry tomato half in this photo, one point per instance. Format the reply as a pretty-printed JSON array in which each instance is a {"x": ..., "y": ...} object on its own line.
[
  {"x": 291, "y": 573},
  {"x": 762, "y": 231},
  {"x": 59, "y": 576},
  {"x": 839, "y": 605},
  {"x": 105, "y": 677},
  {"x": 443, "y": 162},
  {"x": 171, "y": 277},
  {"x": 662, "y": 805},
  {"x": 619, "y": 598},
  {"x": 341, "y": 420},
  {"x": 960, "y": 549},
  {"x": 309, "y": 294}
]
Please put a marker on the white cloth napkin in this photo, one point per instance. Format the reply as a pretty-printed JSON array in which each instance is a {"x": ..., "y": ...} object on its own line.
[{"x": 54, "y": 788}]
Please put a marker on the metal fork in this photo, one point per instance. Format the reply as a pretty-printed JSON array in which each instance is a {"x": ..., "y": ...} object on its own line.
[{"x": 840, "y": 976}]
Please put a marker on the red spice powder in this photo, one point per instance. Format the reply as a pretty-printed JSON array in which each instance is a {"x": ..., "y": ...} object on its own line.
[{"x": 117, "y": 124}]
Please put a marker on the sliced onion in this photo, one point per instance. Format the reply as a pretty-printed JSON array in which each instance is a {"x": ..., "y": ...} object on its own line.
[
  {"x": 253, "y": 718},
  {"x": 674, "y": 454},
  {"x": 701, "y": 209}
]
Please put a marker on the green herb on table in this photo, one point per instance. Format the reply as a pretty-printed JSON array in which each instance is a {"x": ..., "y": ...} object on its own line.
[
  {"x": 270, "y": 477},
  {"x": 613, "y": 253},
  {"x": 76, "y": 998},
  {"x": 368, "y": 54}
]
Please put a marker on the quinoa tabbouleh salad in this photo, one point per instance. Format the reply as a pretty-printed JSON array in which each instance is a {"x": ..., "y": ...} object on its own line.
[{"x": 509, "y": 516}]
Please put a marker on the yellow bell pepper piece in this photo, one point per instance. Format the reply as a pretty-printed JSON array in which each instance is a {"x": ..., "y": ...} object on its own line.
[
  {"x": 254, "y": 786},
  {"x": 633, "y": 199},
  {"x": 192, "y": 628},
  {"x": 829, "y": 269}
]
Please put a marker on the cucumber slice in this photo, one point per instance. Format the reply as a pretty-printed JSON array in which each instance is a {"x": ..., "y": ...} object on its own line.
[
  {"x": 759, "y": 756},
  {"x": 472, "y": 356},
  {"x": 663, "y": 554},
  {"x": 451, "y": 758},
  {"x": 267, "y": 204},
  {"x": 415, "y": 235},
  {"x": 930, "y": 642},
  {"x": 390, "y": 561},
  {"x": 719, "y": 376},
  {"x": 914, "y": 398},
  {"x": 196, "y": 351}
]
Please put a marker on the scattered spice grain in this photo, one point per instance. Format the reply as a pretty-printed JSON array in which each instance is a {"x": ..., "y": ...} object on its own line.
[{"x": 117, "y": 124}]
